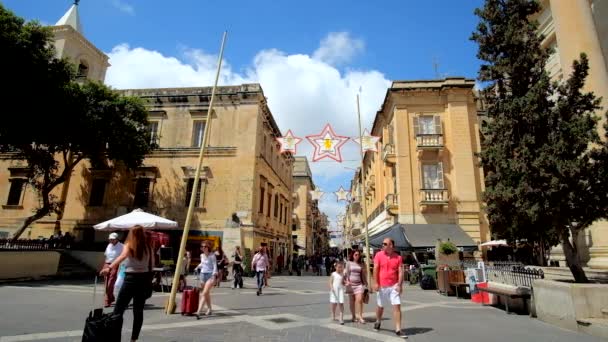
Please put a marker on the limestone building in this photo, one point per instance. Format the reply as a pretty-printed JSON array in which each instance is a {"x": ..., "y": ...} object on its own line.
[
  {"x": 425, "y": 176},
  {"x": 571, "y": 27},
  {"x": 245, "y": 197},
  {"x": 305, "y": 209}
]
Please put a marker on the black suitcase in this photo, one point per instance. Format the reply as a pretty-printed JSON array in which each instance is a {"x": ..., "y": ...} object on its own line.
[
  {"x": 427, "y": 282},
  {"x": 101, "y": 327}
]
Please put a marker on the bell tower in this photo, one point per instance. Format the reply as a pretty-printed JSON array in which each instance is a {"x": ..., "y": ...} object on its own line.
[{"x": 71, "y": 43}]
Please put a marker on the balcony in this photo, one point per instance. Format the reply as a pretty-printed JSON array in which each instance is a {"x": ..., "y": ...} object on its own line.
[
  {"x": 388, "y": 154},
  {"x": 429, "y": 141},
  {"x": 371, "y": 183},
  {"x": 434, "y": 196},
  {"x": 391, "y": 204}
]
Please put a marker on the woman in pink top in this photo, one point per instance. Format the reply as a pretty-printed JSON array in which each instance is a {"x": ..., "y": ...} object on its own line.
[{"x": 356, "y": 278}]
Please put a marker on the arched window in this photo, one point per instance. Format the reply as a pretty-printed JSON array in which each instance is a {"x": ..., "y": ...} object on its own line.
[{"x": 83, "y": 70}]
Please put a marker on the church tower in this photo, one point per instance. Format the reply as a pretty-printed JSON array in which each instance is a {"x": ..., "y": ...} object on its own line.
[{"x": 70, "y": 43}]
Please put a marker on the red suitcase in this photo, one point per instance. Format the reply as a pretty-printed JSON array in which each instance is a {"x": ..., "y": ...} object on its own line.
[{"x": 189, "y": 301}]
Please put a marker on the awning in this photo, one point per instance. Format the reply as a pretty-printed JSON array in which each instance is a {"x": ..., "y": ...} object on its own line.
[{"x": 421, "y": 237}]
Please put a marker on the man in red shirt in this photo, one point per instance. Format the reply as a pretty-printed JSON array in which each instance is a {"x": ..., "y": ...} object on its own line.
[{"x": 388, "y": 282}]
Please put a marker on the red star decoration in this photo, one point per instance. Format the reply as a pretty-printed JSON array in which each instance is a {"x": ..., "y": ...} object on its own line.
[
  {"x": 289, "y": 143},
  {"x": 327, "y": 144}
]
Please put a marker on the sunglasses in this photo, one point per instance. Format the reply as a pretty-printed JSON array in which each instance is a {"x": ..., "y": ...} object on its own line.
[
  {"x": 204, "y": 246},
  {"x": 384, "y": 244}
]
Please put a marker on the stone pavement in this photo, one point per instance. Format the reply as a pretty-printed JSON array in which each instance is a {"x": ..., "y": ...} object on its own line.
[{"x": 292, "y": 309}]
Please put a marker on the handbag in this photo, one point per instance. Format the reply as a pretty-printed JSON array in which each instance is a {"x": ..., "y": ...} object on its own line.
[
  {"x": 365, "y": 290},
  {"x": 99, "y": 326}
]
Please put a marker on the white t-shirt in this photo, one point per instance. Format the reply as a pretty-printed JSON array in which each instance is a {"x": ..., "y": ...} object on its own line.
[
  {"x": 113, "y": 251},
  {"x": 337, "y": 281}
]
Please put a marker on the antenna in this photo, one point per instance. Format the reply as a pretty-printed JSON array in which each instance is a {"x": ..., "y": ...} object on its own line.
[{"x": 436, "y": 67}]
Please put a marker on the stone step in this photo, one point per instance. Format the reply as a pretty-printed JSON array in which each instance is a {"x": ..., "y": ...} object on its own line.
[
  {"x": 593, "y": 326},
  {"x": 69, "y": 267},
  {"x": 605, "y": 312}
]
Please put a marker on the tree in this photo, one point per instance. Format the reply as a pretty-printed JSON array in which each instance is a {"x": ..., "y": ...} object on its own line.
[
  {"x": 55, "y": 123},
  {"x": 546, "y": 174}
]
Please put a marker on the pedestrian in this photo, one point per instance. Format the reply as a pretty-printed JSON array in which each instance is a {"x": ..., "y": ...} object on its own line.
[
  {"x": 113, "y": 250},
  {"x": 208, "y": 272},
  {"x": 137, "y": 285},
  {"x": 356, "y": 284},
  {"x": 260, "y": 265},
  {"x": 280, "y": 260},
  {"x": 222, "y": 262},
  {"x": 388, "y": 277},
  {"x": 336, "y": 292},
  {"x": 237, "y": 268}
]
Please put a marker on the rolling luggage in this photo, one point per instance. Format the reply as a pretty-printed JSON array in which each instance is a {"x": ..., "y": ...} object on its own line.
[
  {"x": 190, "y": 300},
  {"x": 101, "y": 327}
]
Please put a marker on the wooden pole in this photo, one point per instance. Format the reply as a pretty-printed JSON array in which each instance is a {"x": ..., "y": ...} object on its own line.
[
  {"x": 362, "y": 198},
  {"x": 182, "y": 247}
]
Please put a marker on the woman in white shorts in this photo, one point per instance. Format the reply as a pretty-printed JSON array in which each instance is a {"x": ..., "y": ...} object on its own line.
[{"x": 208, "y": 273}]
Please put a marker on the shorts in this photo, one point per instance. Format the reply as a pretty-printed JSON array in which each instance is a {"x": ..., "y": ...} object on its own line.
[
  {"x": 204, "y": 277},
  {"x": 337, "y": 296},
  {"x": 388, "y": 293}
]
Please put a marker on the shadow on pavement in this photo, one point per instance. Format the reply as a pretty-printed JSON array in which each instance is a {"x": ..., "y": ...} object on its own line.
[{"x": 416, "y": 331}]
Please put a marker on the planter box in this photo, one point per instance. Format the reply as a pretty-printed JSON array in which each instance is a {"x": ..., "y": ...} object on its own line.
[{"x": 572, "y": 306}]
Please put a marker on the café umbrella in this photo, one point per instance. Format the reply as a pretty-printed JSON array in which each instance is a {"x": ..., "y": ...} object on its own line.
[{"x": 137, "y": 217}]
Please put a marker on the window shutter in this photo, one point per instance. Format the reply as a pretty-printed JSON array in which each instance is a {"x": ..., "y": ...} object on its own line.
[
  {"x": 440, "y": 175},
  {"x": 437, "y": 119},
  {"x": 416, "y": 125}
]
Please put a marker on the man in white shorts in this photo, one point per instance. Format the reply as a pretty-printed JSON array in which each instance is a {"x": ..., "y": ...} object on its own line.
[{"x": 388, "y": 284}]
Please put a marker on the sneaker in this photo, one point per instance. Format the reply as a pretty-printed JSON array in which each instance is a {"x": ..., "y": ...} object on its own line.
[
  {"x": 401, "y": 334},
  {"x": 341, "y": 322},
  {"x": 377, "y": 325},
  {"x": 257, "y": 293}
]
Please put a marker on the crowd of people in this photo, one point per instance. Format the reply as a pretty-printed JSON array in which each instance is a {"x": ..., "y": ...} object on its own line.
[{"x": 134, "y": 261}]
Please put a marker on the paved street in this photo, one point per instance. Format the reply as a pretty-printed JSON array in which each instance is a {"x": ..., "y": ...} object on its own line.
[{"x": 292, "y": 309}]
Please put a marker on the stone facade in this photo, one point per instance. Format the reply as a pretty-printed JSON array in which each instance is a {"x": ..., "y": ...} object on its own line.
[
  {"x": 304, "y": 206},
  {"x": 425, "y": 172},
  {"x": 570, "y": 28}
]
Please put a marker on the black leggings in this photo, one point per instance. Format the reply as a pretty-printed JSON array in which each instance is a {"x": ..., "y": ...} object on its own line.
[{"x": 133, "y": 287}]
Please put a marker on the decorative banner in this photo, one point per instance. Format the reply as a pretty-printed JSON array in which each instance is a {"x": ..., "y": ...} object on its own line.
[
  {"x": 370, "y": 142},
  {"x": 342, "y": 194},
  {"x": 289, "y": 142},
  {"x": 327, "y": 144},
  {"x": 316, "y": 194}
]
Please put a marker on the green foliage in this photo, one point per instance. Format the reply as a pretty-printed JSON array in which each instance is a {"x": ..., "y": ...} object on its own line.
[
  {"x": 448, "y": 248},
  {"x": 545, "y": 165},
  {"x": 55, "y": 122}
]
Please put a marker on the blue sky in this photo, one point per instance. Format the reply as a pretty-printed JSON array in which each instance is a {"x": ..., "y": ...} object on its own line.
[{"x": 311, "y": 57}]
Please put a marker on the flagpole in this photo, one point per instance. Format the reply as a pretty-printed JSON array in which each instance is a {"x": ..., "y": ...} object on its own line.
[
  {"x": 362, "y": 198},
  {"x": 182, "y": 247}
]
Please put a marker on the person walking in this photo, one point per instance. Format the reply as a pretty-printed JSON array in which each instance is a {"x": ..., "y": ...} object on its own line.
[
  {"x": 260, "y": 265},
  {"x": 208, "y": 273},
  {"x": 137, "y": 285},
  {"x": 280, "y": 261},
  {"x": 388, "y": 283},
  {"x": 237, "y": 268},
  {"x": 222, "y": 262},
  {"x": 113, "y": 250},
  {"x": 356, "y": 281},
  {"x": 336, "y": 292}
]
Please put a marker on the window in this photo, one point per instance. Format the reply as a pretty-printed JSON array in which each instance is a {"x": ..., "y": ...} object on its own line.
[
  {"x": 16, "y": 191},
  {"x": 142, "y": 192},
  {"x": 189, "y": 187},
  {"x": 98, "y": 190},
  {"x": 83, "y": 70},
  {"x": 281, "y": 213},
  {"x": 261, "y": 200},
  {"x": 294, "y": 227},
  {"x": 269, "y": 203},
  {"x": 153, "y": 131},
  {"x": 427, "y": 124},
  {"x": 432, "y": 176},
  {"x": 276, "y": 205},
  {"x": 198, "y": 133},
  {"x": 285, "y": 215}
]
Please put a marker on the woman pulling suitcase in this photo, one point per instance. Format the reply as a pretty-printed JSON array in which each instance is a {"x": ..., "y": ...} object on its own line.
[{"x": 137, "y": 285}]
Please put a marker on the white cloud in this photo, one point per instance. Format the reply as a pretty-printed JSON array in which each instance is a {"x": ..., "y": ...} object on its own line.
[
  {"x": 337, "y": 48},
  {"x": 124, "y": 7},
  {"x": 304, "y": 93}
]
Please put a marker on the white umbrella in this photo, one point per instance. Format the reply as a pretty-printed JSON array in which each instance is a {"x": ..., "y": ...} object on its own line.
[
  {"x": 494, "y": 243},
  {"x": 137, "y": 217}
]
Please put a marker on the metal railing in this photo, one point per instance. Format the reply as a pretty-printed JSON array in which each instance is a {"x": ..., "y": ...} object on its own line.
[
  {"x": 429, "y": 140},
  {"x": 33, "y": 245},
  {"x": 433, "y": 195},
  {"x": 379, "y": 210},
  {"x": 518, "y": 275},
  {"x": 391, "y": 200}
]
